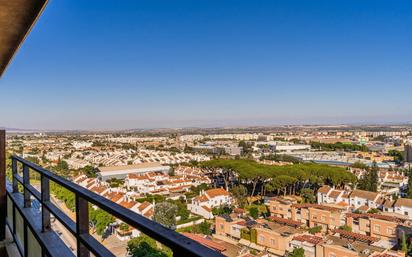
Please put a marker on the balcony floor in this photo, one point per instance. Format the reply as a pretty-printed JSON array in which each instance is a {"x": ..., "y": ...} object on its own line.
[{"x": 7, "y": 247}]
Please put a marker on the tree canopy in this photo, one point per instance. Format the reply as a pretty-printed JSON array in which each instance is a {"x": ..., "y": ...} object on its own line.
[
  {"x": 339, "y": 146},
  {"x": 297, "y": 252},
  {"x": 249, "y": 170},
  {"x": 369, "y": 181},
  {"x": 165, "y": 214},
  {"x": 143, "y": 246}
]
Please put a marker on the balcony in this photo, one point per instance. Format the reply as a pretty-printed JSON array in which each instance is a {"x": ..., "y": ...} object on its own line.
[{"x": 27, "y": 212}]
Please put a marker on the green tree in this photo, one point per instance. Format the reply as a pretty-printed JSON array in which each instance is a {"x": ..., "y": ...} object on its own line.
[
  {"x": 245, "y": 146},
  {"x": 339, "y": 146},
  {"x": 124, "y": 227},
  {"x": 409, "y": 174},
  {"x": 255, "y": 175},
  {"x": 144, "y": 246},
  {"x": 315, "y": 230},
  {"x": 308, "y": 195},
  {"x": 282, "y": 158},
  {"x": 165, "y": 214},
  {"x": 89, "y": 171},
  {"x": 254, "y": 212},
  {"x": 374, "y": 178},
  {"x": 204, "y": 228},
  {"x": 346, "y": 228},
  {"x": 224, "y": 209},
  {"x": 360, "y": 165},
  {"x": 115, "y": 182},
  {"x": 297, "y": 252},
  {"x": 240, "y": 194},
  {"x": 369, "y": 181},
  {"x": 397, "y": 156},
  {"x": 100, "y": 219},
  {"x": 404, "y": 245},
  {"x": 373, "y": 211},
  {"x": 62, "y": 168}
]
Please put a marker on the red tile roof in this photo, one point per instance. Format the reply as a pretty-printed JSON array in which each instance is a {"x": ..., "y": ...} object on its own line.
[
  {"x": 127, "y": 204},
  {"x": 285, "y": 221},
  {"x": 316, "y": 206},
  {"x": 216, "y": 192},
  {"x": 308, "y": 238},
  {"x": 98, "y": 189},
  {"x": 206, "y": 242},
  {"x": 356, "y": 236},
  {"x": 374, "y": 216},
  {"x": 324, "y": 189},
  {"x": 335, "y": 193},
  {"x": 143, "y": 206}
]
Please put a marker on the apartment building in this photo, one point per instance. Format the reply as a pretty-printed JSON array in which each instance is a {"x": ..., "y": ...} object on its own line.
[
  {"x": 273, "y": 236},
  {"x": 374, "y": 225},
  {"x": 204, "y": 203},
  {"x": 307, "y": 242},
  {"x": 281, "y": 206},
  {"x": 312, "y": 215},
  {"x": 351, "y": 245},
  {"x": 229, "y": 226}
]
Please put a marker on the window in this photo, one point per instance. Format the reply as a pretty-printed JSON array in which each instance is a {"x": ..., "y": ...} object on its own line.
[
  {"x": 332, "y": 255},
  {"x": 390, "y": 231},
  {"x": 323, "y": 218},
  {"x": 377, "y": 228},
  {"x": 272, "y": 241},
  {"x": 261, "y": 239},
  {"x": 221, "y": 226}
]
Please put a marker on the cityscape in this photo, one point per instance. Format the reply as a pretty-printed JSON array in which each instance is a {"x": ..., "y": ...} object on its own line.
[
  {"x": 160, "y": 128},
  {"x": 239, "y": 191}
]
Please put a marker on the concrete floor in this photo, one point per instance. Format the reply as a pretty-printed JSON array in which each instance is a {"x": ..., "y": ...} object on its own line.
[{"x": 7, "y": 247}]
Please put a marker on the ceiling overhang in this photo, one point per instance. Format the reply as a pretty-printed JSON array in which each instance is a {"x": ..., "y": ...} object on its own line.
[{"x": 17, "y": 17}]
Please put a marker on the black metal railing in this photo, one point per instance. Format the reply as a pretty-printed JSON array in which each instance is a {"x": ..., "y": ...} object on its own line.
[{"x": 36, "y": 224}]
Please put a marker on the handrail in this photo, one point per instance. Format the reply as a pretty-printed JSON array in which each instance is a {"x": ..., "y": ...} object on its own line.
[{"x": 180, "y": 245}]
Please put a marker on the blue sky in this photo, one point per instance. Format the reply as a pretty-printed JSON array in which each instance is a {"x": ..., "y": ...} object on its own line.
[{"x": 101, "y": 64}]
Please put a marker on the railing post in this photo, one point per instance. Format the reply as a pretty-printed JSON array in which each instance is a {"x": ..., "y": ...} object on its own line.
[
  {"x": 26, "y": 182},
  {"x": 14, "y": 173},
  {"x": 82, "y": 225},
  {"x": 45, "y": 197},
  {"x": 3, "y": 199}
]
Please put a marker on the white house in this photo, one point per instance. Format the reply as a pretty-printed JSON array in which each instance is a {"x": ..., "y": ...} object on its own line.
[
  {"x": 204, "y": 203},
  {"x": 330, "y": 195},
  {"x": 355, "y": 198},
  {"x": 403, "y": 206},
  {"x": 360, "y": 198}
]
